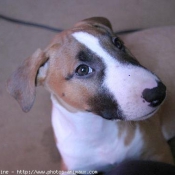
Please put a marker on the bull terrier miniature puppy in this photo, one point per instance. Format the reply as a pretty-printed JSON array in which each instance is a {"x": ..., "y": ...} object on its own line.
[{"x": 100, "y": 94}]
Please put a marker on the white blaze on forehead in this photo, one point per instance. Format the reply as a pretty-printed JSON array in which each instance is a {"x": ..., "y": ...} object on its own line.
[
  {"x": 92, "y": 43},
  {"x": 126, "y": 82}
]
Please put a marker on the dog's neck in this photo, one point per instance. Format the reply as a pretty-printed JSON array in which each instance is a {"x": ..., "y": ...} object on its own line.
[
  {"x": 80, "y": 122},
  {"x": 94, "y": 137}
]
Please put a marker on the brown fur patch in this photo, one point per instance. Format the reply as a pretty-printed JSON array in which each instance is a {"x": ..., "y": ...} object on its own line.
[
  {"x": 159, "y": 149},
  {"x": 128, "y": 129},
  {"x": 73, "y": 91},
  {"x": 131, "y": 128}
]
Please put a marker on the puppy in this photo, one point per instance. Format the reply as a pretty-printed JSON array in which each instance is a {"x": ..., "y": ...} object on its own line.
[{"x": 100, "y": 94}]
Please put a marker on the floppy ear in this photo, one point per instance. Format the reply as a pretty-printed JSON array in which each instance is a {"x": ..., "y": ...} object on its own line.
[
  {"x": 96, "y": 22},
  {"x": 21, "y": 85}
]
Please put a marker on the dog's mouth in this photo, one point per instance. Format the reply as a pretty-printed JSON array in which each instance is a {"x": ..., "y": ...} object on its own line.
[
  {"x": 113, "y": 115},
  {"x": 146, "y": 116}
]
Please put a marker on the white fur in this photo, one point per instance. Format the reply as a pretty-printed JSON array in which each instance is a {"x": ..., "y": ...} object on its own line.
[
  {"x": 43, "y": 71},
  {"x": 84, "y": 146},
  {"x": 125, "y": 81}
]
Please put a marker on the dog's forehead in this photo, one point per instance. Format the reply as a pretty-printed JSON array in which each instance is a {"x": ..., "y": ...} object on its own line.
[{"x": 94, "y": 45}]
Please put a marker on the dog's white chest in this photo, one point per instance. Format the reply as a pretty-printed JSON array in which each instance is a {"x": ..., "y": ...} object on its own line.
[{"x": 90, "y": 142}]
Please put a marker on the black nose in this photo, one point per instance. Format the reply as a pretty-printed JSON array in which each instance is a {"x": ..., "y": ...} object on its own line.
[{"x": 156, "y": 95}]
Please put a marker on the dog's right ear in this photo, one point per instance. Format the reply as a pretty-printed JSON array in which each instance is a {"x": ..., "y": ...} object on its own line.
[{"x": 22, "y": 84}]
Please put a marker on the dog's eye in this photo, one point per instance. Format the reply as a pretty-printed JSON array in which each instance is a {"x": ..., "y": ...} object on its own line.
[
  {"x": 117, "y": 43},
  {"x": 83, "y": 70}
]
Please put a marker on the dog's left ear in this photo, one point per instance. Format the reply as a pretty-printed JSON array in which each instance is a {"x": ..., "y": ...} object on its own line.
[
  {"x": 96, "y": 22},
  {"x": 22, "y": 84}
]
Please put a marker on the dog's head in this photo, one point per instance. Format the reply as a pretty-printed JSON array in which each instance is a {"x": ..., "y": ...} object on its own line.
[{"x": 89, "y": 69}]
